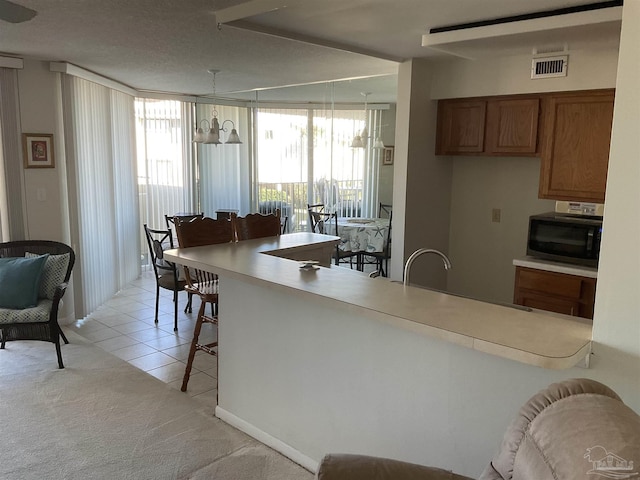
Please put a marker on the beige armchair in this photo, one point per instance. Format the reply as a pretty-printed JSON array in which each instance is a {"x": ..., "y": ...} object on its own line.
[{"x": 574, "y": 429}]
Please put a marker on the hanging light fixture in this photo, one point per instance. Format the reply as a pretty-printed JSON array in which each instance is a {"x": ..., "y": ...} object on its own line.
[
  {"x": 211, "y": 134},
  {"x": 378, "y": 143},
  {"x": 360, "y": 140}
]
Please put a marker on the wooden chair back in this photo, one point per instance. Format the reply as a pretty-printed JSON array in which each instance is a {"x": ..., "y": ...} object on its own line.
[
  {"x": 257, "y": 225},
  {"x": 171, "y": 219},
  {"x": 198, "y": 231}
]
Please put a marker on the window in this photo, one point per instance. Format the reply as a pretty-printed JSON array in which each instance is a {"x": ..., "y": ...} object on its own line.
[{"x": 294, "y": 167}]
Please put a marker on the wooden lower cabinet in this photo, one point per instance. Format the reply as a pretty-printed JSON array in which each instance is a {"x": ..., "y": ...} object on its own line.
[{"x": 555, "y": 292}]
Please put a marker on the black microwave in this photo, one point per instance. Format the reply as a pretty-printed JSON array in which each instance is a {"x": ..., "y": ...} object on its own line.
[{"x": 565, "y": 238}]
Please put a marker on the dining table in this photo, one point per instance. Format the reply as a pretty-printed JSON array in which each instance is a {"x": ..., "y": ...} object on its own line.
[{"x": 365, "y": 235}]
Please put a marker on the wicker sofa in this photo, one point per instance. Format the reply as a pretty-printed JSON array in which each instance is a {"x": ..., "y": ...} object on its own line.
[
  {"x": 39, "y": 322},
  {"x": 574, "y": 429}
]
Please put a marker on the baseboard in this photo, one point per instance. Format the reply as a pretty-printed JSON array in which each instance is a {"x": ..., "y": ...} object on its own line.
[{"x": 270, "y": 441}]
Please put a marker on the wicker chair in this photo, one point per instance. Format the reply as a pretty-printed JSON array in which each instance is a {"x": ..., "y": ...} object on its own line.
[{"x": 39, "y": 322}]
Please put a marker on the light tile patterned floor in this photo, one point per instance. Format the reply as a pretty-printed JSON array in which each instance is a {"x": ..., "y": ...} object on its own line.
[{"x": 125, "y": 326}]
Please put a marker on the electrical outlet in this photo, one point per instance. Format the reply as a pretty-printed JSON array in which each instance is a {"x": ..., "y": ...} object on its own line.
[{"x": 495, "y": 215}]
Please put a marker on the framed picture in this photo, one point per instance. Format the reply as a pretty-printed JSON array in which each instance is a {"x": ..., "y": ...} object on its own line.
[
  {"x": 38, "y": 150},
  {"x": 387, "y": 156}
]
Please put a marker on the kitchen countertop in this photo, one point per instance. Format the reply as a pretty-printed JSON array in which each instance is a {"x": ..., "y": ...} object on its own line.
[
  {"x": 534, "y": 337},
  {"x": 558, "y": 267}
]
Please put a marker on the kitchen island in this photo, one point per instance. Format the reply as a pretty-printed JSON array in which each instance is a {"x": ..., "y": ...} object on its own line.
[{"x": 323, "y": 360}]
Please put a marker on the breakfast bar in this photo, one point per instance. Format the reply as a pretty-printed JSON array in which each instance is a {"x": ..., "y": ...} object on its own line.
[{"x": 328, "y": 359}]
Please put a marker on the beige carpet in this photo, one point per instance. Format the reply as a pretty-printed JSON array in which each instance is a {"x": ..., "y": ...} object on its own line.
[{"x": 101, "y": 418}]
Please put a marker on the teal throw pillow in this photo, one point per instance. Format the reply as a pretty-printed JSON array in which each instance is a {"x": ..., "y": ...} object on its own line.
[
  {"x": 20, "y": 281},
  {"x": 55, "y": 269}
]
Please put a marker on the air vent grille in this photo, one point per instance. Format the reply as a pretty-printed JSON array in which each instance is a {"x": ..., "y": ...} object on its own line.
[{"x": 549, "y": 67}]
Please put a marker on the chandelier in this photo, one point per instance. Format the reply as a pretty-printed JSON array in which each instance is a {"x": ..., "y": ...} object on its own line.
[
  {"x": 360, "y": 140},
  {"x": 211, "y": 133}
]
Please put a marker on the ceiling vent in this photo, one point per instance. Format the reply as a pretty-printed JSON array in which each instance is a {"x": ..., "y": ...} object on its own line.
[{"x": 546, "y": 67}]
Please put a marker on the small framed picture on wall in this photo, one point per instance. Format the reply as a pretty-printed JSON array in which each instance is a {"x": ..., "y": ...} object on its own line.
[
  {"x": 387, "y": 156},
  {"x": 38, "y": 150}
]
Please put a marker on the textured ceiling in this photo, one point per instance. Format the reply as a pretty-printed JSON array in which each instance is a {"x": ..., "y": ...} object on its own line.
[{"x": 168, "y": 45}]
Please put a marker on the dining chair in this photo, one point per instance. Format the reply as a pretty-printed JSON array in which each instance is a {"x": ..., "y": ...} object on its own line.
[
  {"x": 196, "y": 232},
  {"x": 170, "y": 219},
  {"x": 256, "y": 225},
  {"x": 166, "y": 273},
  {"x": 344, "y": 255},
  {"x": 384, "y": 210},
  {"x": 382, "y": 258},
  {"x": 317, "y": 217},
  {"x": 284, "y": 224}
]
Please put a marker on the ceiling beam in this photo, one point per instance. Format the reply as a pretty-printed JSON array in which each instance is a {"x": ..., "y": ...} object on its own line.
[{"x": 322, "y": 42}]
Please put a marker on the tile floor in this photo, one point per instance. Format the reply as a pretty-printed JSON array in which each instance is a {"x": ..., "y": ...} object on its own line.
[{"x": 124, "y": 326}]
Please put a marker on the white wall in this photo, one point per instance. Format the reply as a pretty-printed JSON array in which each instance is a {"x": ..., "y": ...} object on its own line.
[
  {"x": 37, "y": 90},
  {"x": 616, "y": 331},
  {"x": 385, "y": 184},
  {"x": 478, "y": 184},
  {"x": 422, "y": 181},
  {"x": 505, "y": 75},
  {"x": 481, "y": 250},
  {"x": 45, "y": 188}
]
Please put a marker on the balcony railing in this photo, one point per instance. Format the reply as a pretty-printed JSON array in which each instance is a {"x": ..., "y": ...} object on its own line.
[{"x": 344, "y": 197}]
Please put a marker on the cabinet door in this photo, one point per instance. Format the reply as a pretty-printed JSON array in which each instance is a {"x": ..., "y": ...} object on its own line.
[
  {"x": 512, "y": 126},
  {"x": 555, "y": 292},
  {"x": 460, "y": 126},
  {"x": 575, "y": 151}
]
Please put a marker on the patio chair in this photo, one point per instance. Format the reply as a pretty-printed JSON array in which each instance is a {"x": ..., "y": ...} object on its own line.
[{"x": 166, "y": 273}]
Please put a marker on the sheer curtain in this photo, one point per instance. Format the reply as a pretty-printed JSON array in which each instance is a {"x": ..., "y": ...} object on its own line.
[
  {"x": 224, "y": 180},
  {"x": 103, "y": 198},
  {"x": 11, "y": 181},
  {"x": 165, "y": 160}
]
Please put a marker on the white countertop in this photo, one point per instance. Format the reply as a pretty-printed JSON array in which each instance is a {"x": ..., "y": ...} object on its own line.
[
  {"x": 558, "y": 267},
  {"x": 537, "y": 338}
]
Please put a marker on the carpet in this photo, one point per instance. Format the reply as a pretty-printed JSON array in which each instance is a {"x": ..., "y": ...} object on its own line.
[{"x": 101, "y": 418}]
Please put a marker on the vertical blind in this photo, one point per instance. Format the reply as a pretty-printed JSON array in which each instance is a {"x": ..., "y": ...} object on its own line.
[
  {"x": 305, "y": 156},
  {"x": 165, "y": 161},
  {"x": 103, "y": 198},
  {"x": 11, "y": 196},
  {"x": 224, "y": 170}
]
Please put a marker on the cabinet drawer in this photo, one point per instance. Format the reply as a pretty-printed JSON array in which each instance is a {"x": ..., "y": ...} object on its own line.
[
  {"x": 559, "y": 284},
  {"x": 550, "y": 304}
]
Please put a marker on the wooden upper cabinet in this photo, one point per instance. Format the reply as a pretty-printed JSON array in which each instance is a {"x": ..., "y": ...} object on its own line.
[
  {"x": 575, "y": 145},
  {"x": 512, "y": 126},
  {"x": 460, "y": 126},
  {"x": 488, "y": 126}
]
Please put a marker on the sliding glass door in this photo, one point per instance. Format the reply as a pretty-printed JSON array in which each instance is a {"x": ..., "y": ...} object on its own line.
[{"x": 304, "y": 156}]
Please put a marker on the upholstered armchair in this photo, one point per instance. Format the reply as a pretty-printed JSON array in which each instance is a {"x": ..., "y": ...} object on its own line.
[{"x": 574, "y": 429}]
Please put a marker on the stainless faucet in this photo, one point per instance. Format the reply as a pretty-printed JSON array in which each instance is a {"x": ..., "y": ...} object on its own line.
[{"x": 416, "y": 254}]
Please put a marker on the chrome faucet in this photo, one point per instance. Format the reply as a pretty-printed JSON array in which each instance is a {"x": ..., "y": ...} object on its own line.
[{"x": 416, "y": 254}]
